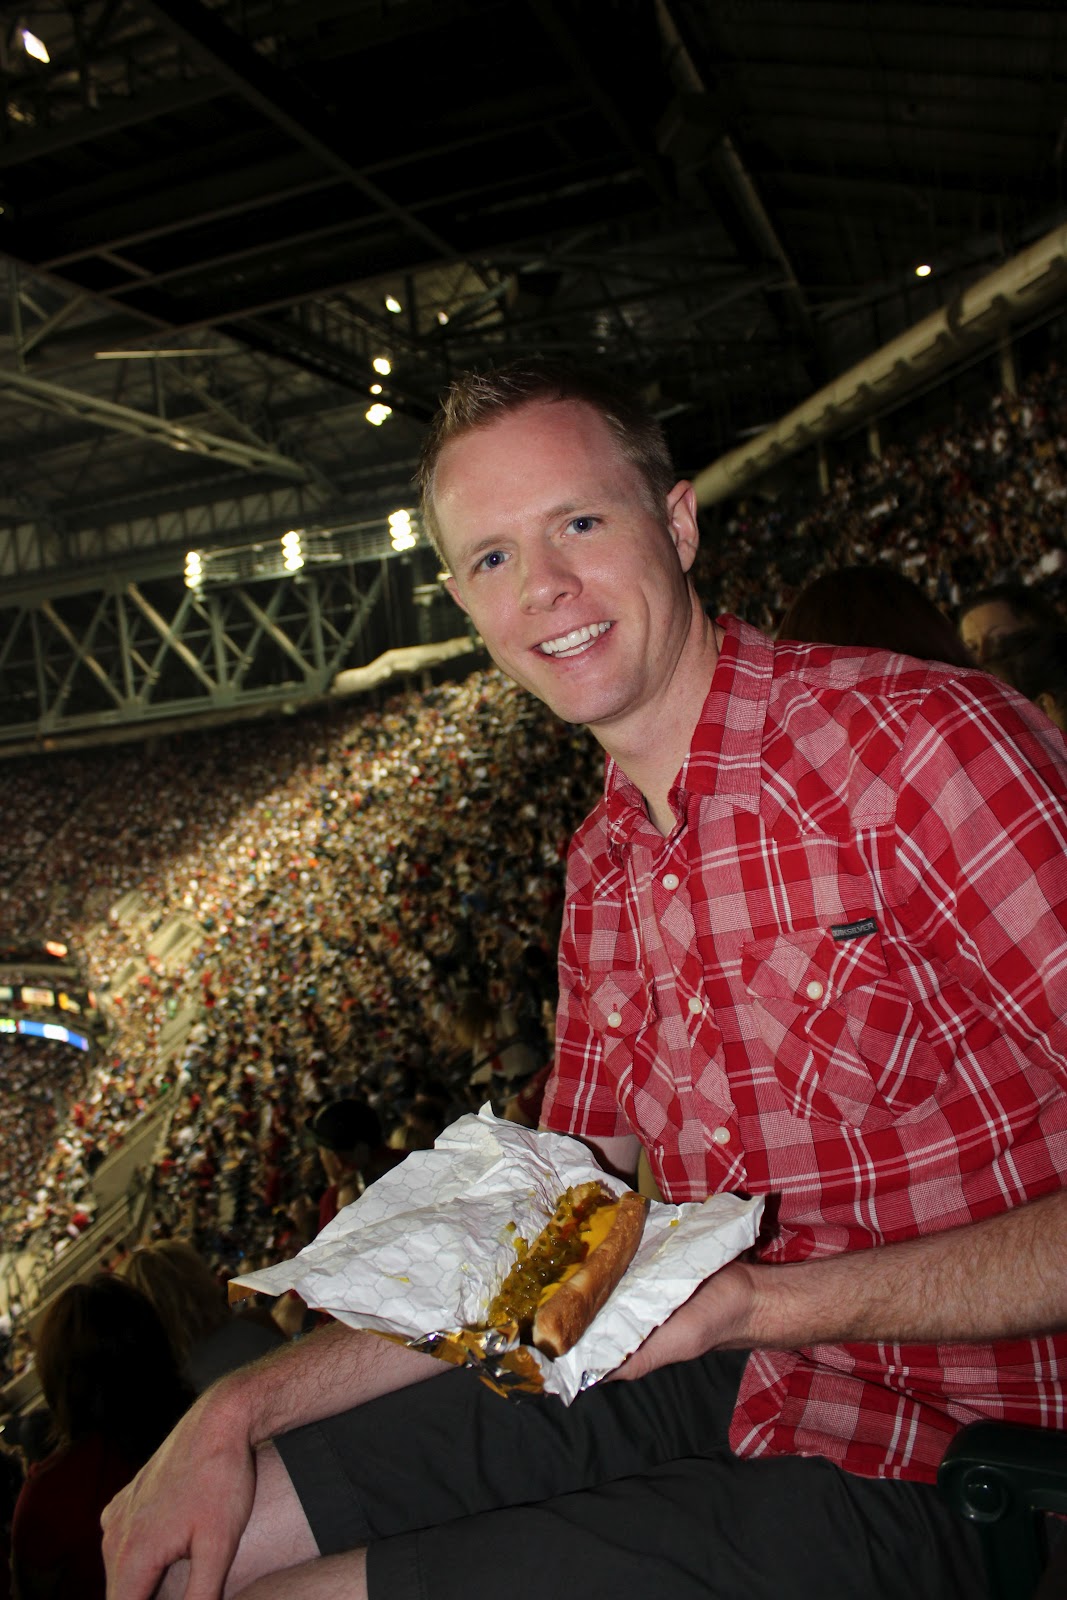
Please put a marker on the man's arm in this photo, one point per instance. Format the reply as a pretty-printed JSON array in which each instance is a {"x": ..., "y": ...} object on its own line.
[
  {"x": 618, "y": 1155},
  {"x": 1001, "y": 1278},
  {"x": 193, "y": 1498}
]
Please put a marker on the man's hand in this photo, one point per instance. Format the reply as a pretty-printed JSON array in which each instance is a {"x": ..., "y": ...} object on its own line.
[
  {"x": 192, "y": 1499},
  {"x": 713, "y": 1318}
]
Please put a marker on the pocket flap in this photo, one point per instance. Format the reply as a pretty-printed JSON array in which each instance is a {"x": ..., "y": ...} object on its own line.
[
  {"x": 811, "y": 967},
  {"x": 618, "y": 1002}
]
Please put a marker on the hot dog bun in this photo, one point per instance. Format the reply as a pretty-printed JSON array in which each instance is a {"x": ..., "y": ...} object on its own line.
[
  {"x": 588, "y": 1242},
  {"x": 566, "y": 1309}
]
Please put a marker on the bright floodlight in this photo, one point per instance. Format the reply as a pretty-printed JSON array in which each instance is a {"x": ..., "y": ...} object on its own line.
[
  {"x": 400, "y": 519},
  {"x": 923, "y": 270},
  {"x": 377, "y": 413},
  {"x": 393, "y": 304},
  {"x": 442, "y": 317},
  {"x": 383, "y": 365},
  {"x": 34, "y": 47},
  {"x": 194, "y": 569},
  {"x": 375, "y": 388}
]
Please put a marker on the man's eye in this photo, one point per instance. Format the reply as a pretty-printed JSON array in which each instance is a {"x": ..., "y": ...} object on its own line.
[
  {"x": 583, "y": 524},
  {"x": 491, "y": 559}
]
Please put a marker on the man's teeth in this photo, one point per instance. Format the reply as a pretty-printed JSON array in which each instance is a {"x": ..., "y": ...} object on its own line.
[{"x": 574, "y": 641}]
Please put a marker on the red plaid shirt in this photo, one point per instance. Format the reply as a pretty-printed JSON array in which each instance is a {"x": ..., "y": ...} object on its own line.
[{"x": 842, "y": 980}]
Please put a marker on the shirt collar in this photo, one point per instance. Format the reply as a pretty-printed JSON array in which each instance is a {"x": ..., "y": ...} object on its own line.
[{"x": 724, "y": 757}]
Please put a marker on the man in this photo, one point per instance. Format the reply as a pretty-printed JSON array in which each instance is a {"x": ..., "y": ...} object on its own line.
[
  {"x": 991, "y": 618},
  {"x": 814, "y": 948}
]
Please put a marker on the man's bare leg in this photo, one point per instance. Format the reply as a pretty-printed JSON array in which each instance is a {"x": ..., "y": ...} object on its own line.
[
  {"x": 324, "y": 1579},
  {"x": 276, "y": 1538}
]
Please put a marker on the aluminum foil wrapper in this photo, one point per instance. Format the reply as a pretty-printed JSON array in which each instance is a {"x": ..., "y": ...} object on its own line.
[{"x": 421, "y": 1253}]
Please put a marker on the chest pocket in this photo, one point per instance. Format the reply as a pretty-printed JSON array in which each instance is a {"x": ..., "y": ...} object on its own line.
[
  {"x": 846, "y": 1043},
  {"x": 618, "y": 1004}
]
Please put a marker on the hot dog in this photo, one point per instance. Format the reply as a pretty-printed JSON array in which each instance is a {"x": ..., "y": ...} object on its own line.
[{"x": 564, "y": 1278}]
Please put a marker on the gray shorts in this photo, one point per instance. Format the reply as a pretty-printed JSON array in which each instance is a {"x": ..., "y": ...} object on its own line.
[{"x": 629, "y": 1492}]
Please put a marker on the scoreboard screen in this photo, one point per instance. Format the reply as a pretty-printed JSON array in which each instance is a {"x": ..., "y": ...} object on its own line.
[{"x": 44, "y": 1030}]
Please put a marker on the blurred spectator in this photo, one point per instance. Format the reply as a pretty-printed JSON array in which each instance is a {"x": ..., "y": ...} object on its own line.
[
  {"x": 206, "y": 1336},
  {"x": 114, "y": 1391},
  {"x": 500, "y": 1056},
  {"x": 524, "y": 1106},
  {"x": 875, "y": 607},
  {"x": 990, "y": 617},
  {"x": 348, "y": 1138},
  {"x": 1035, "y": 663},
  {"x": 424, "y": 1119},
  {"x": 11, "y": 1479}
]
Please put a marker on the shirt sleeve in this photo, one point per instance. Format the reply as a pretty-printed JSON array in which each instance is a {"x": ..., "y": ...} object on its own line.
[
  {"x": 579, "y": 1098},
  {"x": 982, "y": 818}
]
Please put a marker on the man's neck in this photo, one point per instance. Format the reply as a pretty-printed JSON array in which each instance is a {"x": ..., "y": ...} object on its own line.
[{"x": 651, "y": 755}]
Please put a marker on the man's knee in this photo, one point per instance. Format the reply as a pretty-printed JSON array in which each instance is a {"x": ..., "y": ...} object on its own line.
[
  {"x": 174, "y": 1582},
  {"x": 278, "y": 1535}
]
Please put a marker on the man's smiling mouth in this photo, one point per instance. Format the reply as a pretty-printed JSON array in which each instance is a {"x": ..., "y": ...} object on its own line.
[{"x": 573, "y": 643}]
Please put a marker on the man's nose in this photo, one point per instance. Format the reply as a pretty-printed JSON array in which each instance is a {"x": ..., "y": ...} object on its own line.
[{"x": 547, "y": 577}]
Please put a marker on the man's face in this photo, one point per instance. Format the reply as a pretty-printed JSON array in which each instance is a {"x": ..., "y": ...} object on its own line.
[
  {"x": 984, "y": 625},
  {"x": 576, "y": 585}
]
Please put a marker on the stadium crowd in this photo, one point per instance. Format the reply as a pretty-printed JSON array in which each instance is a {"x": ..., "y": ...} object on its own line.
[
  {"x": 348, "y": 896},
  {"x": 962, "y": 507}
]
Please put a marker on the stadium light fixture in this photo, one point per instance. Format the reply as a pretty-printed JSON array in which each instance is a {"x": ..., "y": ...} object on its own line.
[
  {"x": 292, "y": 550},
  {"x": 194, "y": 570},
  {"x": 923, "y": 270},
  {"x": 442, "y": 317},
  {"x": 377, "y": 413},
  {"x": 33, "y": 46},
  {"x": 393, "y": 304},
  {"x": 382, "y": 365},
  {"x": 375, "y": 388},
  {"x": 401, "y": 532}
]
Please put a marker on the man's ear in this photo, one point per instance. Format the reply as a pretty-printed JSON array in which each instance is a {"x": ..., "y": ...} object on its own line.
[
  {"x": 682, "y": 522},
  {"x": 453, "y": 588}
]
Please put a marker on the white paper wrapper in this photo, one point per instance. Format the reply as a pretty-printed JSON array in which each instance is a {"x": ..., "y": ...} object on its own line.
[{"x": 428, "y": 1245}]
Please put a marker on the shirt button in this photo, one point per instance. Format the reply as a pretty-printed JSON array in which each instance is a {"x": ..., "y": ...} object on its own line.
[
  {"x": 670, "y": 880},
  {"x": 614, "y": 1019},
  {"x": 815, "y": 990},
  {"x": 695, "y": 1005},
  {"x": 721, "y": 1136}
]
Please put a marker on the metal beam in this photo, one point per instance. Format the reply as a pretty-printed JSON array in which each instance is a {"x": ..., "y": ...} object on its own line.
[
  {"x": 155, "y": 672},
  {"x": 76, "y": 131},
  {"x": 170, "y": 634},
  {"x": 123, "y": 419},
  {"x": 279, "y": 99},
  {"x": 45, "y": 329},
  {"x": 81, "y": 652},
  {"x": 735, "y": 174}
]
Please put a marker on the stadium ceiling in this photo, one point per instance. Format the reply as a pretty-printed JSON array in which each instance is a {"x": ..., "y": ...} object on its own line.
[{"x": 207, "y": 210}]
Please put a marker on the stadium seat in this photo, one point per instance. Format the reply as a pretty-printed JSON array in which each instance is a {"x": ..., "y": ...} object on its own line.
[{"x": 1005, "y": 1478}]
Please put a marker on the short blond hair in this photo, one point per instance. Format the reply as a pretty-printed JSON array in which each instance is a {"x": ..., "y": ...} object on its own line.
[{"x": 476, "y": 399}]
